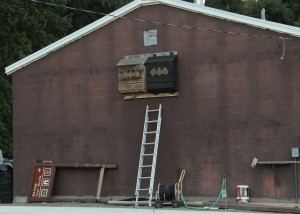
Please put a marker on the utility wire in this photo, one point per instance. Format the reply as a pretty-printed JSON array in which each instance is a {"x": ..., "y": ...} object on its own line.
[
  {"x": 71, "y": 8},
  {"x": 164, "y": 24}
]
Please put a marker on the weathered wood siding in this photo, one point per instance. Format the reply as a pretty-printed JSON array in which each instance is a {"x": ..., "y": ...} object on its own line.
[{"x": 237, "y": 100}]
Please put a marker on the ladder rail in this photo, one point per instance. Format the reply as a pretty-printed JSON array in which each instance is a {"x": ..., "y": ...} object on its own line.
[
  {"x": 155, "y": 149},
  {"x": 141, "y": 161}
]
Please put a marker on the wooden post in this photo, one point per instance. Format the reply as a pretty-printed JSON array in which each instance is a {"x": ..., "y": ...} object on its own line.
[{"x": 101, "y": 175}]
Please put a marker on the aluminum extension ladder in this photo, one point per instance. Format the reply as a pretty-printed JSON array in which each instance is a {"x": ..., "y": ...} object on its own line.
[{"x": 148, "y": 155}]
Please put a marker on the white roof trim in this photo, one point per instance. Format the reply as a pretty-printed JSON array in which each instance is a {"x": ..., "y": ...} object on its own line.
[
  {"x": 281, "y": 28},
  {"x": 234, "y": 17},
  {"x": 71, "y": 37}
]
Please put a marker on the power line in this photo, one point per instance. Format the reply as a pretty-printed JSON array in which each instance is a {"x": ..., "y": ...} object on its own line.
[
  {"x": 71, "y": 8},
  {"x": 164, "y": 24}
]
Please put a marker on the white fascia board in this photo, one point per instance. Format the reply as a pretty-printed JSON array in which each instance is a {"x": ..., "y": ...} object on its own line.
[
  {"x": 72, "y": 37},
  {"x": 259, "y": 23},
  {"x": 234, "y": 17}
]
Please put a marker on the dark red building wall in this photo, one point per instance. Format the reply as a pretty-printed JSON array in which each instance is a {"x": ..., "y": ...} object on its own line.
[{"x": 237, "y": 100}]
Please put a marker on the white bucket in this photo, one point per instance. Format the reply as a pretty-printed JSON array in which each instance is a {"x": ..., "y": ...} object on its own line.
[{"x": 242, "y": 193}]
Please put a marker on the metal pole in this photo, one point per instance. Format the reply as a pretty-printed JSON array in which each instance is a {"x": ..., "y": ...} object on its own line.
[
  {"x": 226, "y": 193},
  {"x": 296, "y": 182},
  {"x": 1, "y": 157},
  {"x": 224, "y": 190}
]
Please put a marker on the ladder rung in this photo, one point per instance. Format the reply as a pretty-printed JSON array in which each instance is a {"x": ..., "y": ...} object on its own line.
[
  {"x": 153, "y": 110},
  {"x": 148, "y": 154},
  {"x": 152, "y": 121},
  {"x": 150, "y": 143},
  {"x": 152, "y": 132},
  {"x": 146, "y": 166},
  {"x": 145, "y": 177},
  {"x": 143, "y": 189}
]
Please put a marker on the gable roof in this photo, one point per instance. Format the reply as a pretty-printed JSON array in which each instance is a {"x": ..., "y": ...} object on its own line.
[{"x": 259, "y": 23}]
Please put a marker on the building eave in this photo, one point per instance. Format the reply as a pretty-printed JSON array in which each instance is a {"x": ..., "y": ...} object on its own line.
[
  {"x": 71, "y": 37},
  {"x": 233, "y": 17}
]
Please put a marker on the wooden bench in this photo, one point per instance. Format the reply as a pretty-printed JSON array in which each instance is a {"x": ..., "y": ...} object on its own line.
[{"x": 43, "y": 179}]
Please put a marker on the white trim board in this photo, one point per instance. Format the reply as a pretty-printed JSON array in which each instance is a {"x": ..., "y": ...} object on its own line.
[{"x": 259, "y": 23}]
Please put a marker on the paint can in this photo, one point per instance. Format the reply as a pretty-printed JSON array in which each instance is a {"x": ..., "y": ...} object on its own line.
[{"x": 242, "y": 193}]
